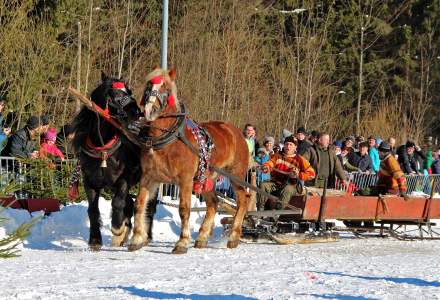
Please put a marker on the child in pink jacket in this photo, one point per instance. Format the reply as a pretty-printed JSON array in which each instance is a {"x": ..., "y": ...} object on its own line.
[{"x": 48, "y": 148}]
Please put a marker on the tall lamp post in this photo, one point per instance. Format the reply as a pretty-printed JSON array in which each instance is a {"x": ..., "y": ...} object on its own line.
[{"x": 164, "y": 38}]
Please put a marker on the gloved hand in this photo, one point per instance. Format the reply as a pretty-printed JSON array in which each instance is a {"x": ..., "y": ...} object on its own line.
[{"x": 134, "y": 127}]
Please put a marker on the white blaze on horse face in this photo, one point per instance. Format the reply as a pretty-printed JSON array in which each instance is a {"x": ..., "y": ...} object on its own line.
[{"x": 149, "y": 104}]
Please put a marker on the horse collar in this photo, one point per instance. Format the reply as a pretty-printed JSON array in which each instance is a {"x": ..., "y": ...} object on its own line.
[
  {"x": 102, "y": 152},
  {"x": 106, "y": 147}
]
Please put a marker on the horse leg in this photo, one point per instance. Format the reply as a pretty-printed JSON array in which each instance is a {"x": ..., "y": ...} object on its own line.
[
  {"x": 95, "y": 238},
  {"x": 139, "y": 238},
  {"x": 119, "y": 220},
  {"x": 234, "y": 237},
  {"x": 208, "y": 222},
  {"x": 150, "y": 211},
  {"x": 181, "y": 246}
]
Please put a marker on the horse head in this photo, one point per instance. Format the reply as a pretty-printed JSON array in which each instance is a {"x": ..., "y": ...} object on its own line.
[
  {"x": 159, "y": 94},
  {"x": 115, "y": 97}
]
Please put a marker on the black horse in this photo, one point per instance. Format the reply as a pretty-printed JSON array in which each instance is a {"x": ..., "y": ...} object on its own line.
[{"x": 109, "y": 160}]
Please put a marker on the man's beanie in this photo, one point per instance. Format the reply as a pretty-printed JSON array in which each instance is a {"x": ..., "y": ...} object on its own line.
[
  {"x": 269, "y": 139},
  {"x": 384, "y": 147},
  {"x": 44, "y": 119},
  {"x": 410, "y": 144},
  {"x": 314, "y": 133},
  {"x": 350, "y": 138},
  {"x": 33, "y": 122},
  {"x": 290, "y": 139},
  {"x": 301, "y": 130}
]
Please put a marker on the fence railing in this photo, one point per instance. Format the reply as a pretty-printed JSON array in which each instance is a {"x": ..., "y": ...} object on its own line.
[
  {"x": 34, "y": 178},
  {"x": 355, "y": 182}
]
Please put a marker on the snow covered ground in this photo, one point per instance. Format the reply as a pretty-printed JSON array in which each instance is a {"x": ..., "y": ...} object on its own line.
[{"x": 56, "y": 264}]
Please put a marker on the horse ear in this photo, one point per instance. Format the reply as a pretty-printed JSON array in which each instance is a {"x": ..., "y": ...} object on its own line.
[
  {"x": 156, "y": 66},
  {"x": 172, "y": 73},
  {"x": 104, "y": 77}
]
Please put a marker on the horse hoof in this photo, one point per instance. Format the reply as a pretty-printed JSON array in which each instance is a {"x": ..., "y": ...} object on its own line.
[
  {"x": 200, "y": 244},
  {"x": 179, "y": 250},
  {"x": 95, "y": 247},
  {"x": 134, "y": 247},
  {"x": 232, "y": 244}
]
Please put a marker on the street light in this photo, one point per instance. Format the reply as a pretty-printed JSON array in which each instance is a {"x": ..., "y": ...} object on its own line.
[{"x": 164, "y": 37}]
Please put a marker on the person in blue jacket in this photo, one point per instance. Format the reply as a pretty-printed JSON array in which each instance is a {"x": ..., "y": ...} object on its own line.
[{"x": 373, "y": 153}]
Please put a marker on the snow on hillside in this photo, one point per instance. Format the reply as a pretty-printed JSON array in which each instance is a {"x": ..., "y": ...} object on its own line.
[{"x": 56, "y": 264}]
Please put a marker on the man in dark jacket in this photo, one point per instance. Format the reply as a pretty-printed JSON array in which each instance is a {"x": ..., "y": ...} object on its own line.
[
  {"x": 411, "y": 158},
  {"x": 361, "y": 159},
  {"x": 325, "y": 163},
  {"x": 303, "y": 143},
  {"x": 23, "y": 143},
  {"x": 435, "y": 166}
]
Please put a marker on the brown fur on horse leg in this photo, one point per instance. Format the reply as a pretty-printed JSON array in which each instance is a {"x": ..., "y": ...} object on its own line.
[
  {"x": 234, "y": 238},
  {"x": 181, "y": 246},
  {"x": 208, "y": 222},
  {"x": 139, "y": 234}
]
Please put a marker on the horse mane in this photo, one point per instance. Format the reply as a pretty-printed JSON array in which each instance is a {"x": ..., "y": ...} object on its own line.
[
  {"x": 82, "y": 124},
  {"x": 167, "y": 79}
]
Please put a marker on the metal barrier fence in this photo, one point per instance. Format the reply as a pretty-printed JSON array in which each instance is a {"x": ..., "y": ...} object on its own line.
[
  {"x": 415, "y": 183},
  {"x": 355, "y": 182},
  {"x": 33, "y": 178}
]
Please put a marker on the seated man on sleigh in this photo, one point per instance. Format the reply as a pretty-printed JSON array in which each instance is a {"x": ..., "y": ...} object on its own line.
[{"x": 288, "y": 170}]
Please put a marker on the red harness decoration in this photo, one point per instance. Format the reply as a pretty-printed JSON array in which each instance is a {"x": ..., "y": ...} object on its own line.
[
  {"x": 107, "y": 146},
  {"x": 102, "y": 151},
  {"x": 118, "y": 85},
  {"x": 157, "y": 80}
]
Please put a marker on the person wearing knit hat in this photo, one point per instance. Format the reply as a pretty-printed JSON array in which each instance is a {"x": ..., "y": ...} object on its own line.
[
  {"x": 361, "y": 159},
  {"x": 391, "y": 178},
  {"x": 268, "y": 144},
  {"x": 303, "y": 143},
  {"x": 314, "y": 136},
  {"x": 261, "y": 157},
  {"x": 23, "y": 142},
  {"x": 288, "y": 172},
  {"x": 44, "y": 121},
  {"x": 48, "y": 149},
  {"x": 374, "y": 154}
]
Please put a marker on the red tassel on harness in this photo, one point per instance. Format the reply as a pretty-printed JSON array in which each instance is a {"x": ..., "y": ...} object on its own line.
[
  {"x": 118, "y": 85},
  {"x": 200, "y": 188},
  {"x": 73, "y": 193},
  {"x": 157, "y": 79},
  {"x": 171, "y": 100}
]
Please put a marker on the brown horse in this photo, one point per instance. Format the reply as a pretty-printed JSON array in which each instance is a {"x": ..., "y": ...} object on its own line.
[{"x": 167, "y": 159}]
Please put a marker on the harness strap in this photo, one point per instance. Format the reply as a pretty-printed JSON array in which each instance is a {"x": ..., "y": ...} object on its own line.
[{"x": 102, "y": 152}]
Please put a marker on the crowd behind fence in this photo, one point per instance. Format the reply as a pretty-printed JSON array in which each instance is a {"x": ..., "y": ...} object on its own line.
[
  {"x": 416, "y": 184},
  {"x": 31, "y": 181}
]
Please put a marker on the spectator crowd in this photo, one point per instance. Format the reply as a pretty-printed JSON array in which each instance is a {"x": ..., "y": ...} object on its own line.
[
  {"x": 336, "y": 160},
  {"x": 36, "y": 139}
]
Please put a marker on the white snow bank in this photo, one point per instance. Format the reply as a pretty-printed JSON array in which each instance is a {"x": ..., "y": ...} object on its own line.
[{"x": 69, "y": 228}]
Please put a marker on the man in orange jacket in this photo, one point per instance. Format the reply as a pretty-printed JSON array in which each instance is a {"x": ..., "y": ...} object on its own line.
[
  {"x": 288, "y": 172},
  {"x": 391, "y": 178}
]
